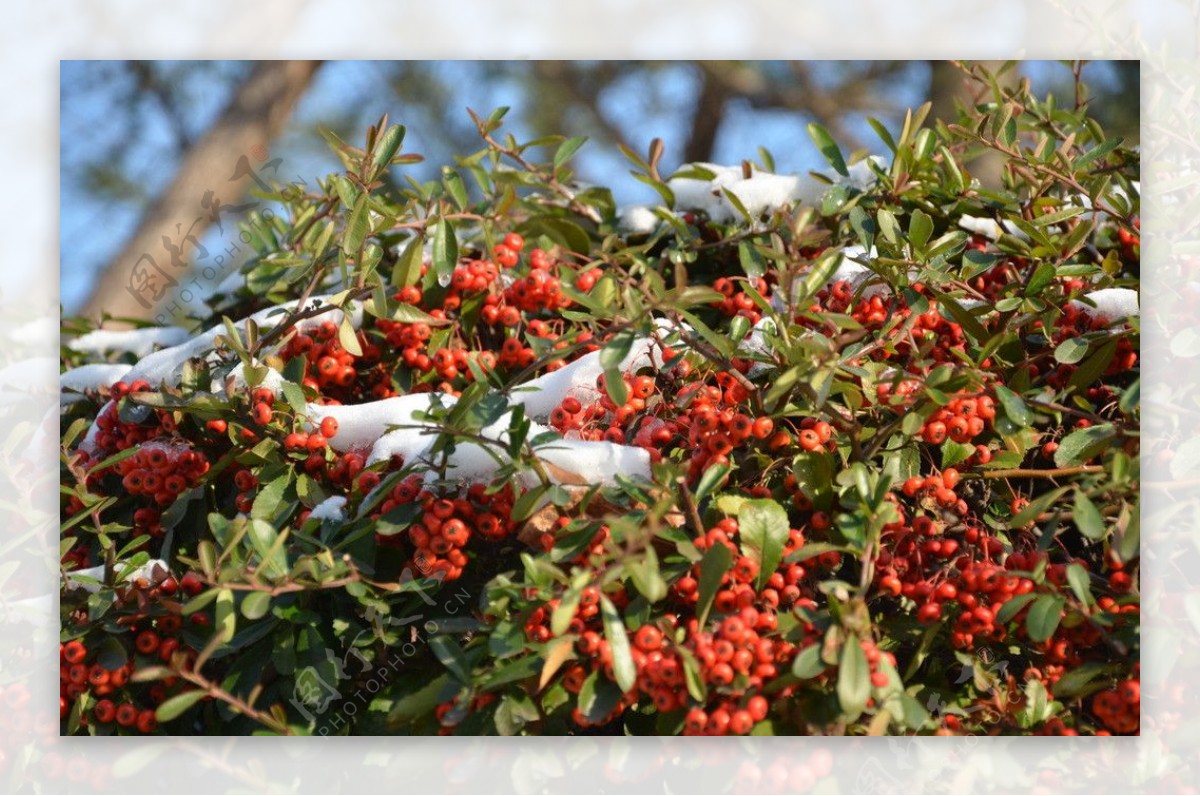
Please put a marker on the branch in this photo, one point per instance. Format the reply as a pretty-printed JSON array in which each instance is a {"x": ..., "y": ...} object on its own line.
[{"x": 254, "y": 116}]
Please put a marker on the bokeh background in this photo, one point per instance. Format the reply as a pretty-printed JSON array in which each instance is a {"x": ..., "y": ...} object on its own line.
[{"x": 133, "y": 132}]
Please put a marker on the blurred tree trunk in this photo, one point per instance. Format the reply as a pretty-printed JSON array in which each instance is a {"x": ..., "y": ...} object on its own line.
[
  {"x": 706, "y": 120},
  {"x": 255, "y": 115},
  {"x": 949, "y": 86}
]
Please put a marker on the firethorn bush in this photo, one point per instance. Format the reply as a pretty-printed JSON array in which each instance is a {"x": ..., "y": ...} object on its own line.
[{"x": 843, "y": 453}]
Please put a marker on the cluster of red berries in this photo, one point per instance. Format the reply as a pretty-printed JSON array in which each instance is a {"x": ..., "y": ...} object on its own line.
[
  {"x": 737, "y": 300},
  {"x": 334, "y": 371},
  {"x": 150, "y": 641},
  {"x": 441, "y": 533},
  {"x": 161, "y": 471},
  {"x": 1119, "y": 708},
  {"x": 114, "y": 434}
]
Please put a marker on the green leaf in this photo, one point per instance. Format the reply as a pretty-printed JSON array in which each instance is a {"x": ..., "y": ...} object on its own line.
[
  {"x": 419, "y": 702},
  {"x": 226, "y": 617},
  {"x": 451, "y": 656},
  {"x": 920, "y": 227},
  {"x": 1083, "y": 444},
  {"x": 1071, "y": 350},
  {"x": 1014, "y": 606},
  {"x": 1014, "y": 407},
  {"x": 445, "y": 249},
  {"x": 963, "y": 317},
  {"x": 386, "y": 147},
  {"x": 1077, "y": 578},
  {"x": 1096, "y": 152},
  {"x": 270, "y": 498},
  {"x": 348, "y": 337},
  {"x": 763, "y": 528},
  {"x": 454, "y": 186},
  {"x": 712, "y": 478},
  {"x": 611, "y": 357},
  {"x": 808, "y": 663},
  {"x": 647, "y": 577},
  {"x": 598, "y": 697},
  {"x": 176, "y": 705},
  {"x": 564, "y": 612},
  {"x": 1075, "y": 682},
  {"x": 1129, "y": 546},
  {"x": 716, "y": 562},
  {"x": 1132, "y": 396},
  {"x": 752, "y": 261},
  {"x": 955, "y": 452},
  {"x": 618, "y": 643},
  {"x": 111, "y": 654},
  {"x": 407, "y": 313},
  {"x": 568, "y": 148},
  {"x": 1093, "y": 367},
  {"x": 828, "y": 147},
  {"x": 357, "y": 227},
  {"x": 1087, "y": 517},
  {"x": 407, "y": 270},
  {"x": 256, "y": 604},
  {"x": 854, "y": 679},
  {"x": 1043, "y": 275},
  {"x": 1044, "y": 616},
  {"x": 1036, "y": 506}
]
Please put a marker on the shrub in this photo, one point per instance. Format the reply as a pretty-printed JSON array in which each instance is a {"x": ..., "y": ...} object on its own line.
[{"x": 487, "y": 455}]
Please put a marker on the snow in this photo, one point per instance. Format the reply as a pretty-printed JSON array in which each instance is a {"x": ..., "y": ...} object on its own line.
[
  {"x": 595, "y": 462},
  {"x": 92, "y": 377},
  {"x": 361, "y": 425},
  {"x": 565, "y": 461},
  {"x": 755, "y": 345},
  {"x": 578, "y": 379},
  {"x": 989, "y": 228},
  {"x": 408, "y": 443},
  {"x": 760, "y": 192},
  {"x": 637, "y": 220},
  {"x": 860, "y": 175},
  {"x": 847, "y": 270},
  {"x": 147, "y": 571},
  {"x": 332, "y": 509},
  {"x": 138, "y": 342},
  {"x": 236, "y": 380},
  {"x": 854, "y": 272},
  {"x": 1111, "y": 304},
  {"x": 165, "y": 366}
]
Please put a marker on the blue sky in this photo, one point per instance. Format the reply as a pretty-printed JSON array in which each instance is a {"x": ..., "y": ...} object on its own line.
[{"x": 98, "y": 112}]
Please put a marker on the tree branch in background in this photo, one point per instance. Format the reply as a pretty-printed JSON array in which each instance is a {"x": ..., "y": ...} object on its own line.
[
  {"x": 706, "y": 120},
  {"x": 252, "y": 119},
  {"x": 569, "y": 80},
  {"x": 950, "y": 85}
]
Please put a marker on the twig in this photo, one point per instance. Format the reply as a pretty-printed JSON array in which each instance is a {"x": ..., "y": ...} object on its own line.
[{"x": 1035, "y": 473}]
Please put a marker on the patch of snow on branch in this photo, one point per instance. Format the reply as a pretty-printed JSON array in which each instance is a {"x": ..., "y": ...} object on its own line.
[
  {"x": 92, "y": 377},
  {"x": 637, "y": 220},
  {"x": 138, "y": 342},
  {"x": 166, "y": 365},
  {"x": 989, "y": 228},
  {"x": 148, "y": 571},
  {"x": 332, "y": 509},
  {"x": 760, "y": 192},
  {"x": 1111, "y": 304},
  {"x": 360, "y": 426},
  {"x": 578, "y": 379}
]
